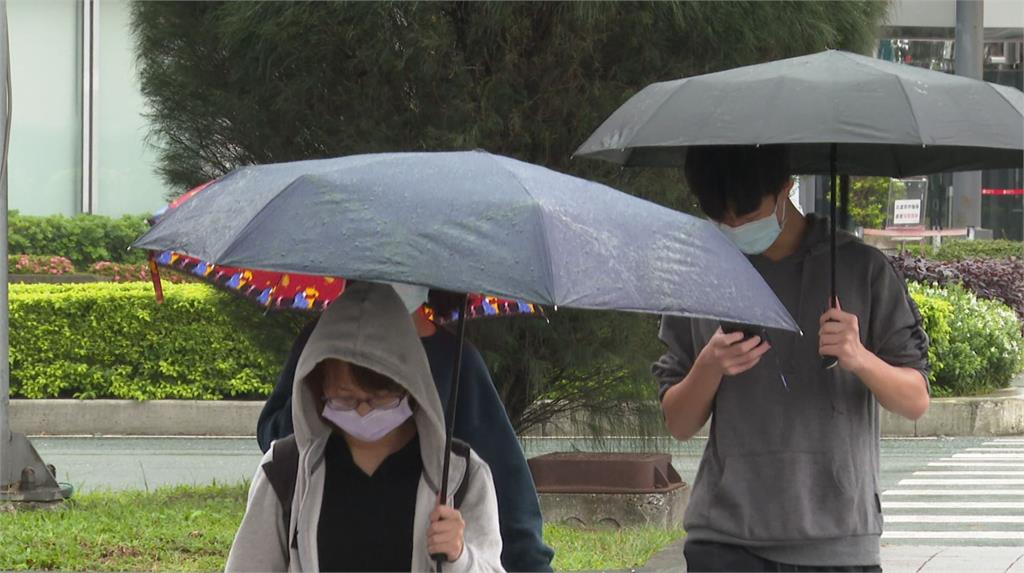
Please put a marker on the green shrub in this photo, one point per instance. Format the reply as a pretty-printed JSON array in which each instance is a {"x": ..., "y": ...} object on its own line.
[
  {"x": 869, "y": 200},
  {"x": 121, "y": 272},
  {"x": 990, "y": 279},
  {"x": 38, "y": 265},
  {"x": 976, "y": 344},
  {"x": 917, "y": 250},
  {"x": 960, "y": 250},
  {"x": 85, "y": 239},
  {"x": 103, "y": 340},
  {"x": 134, "y": 272},
  {"x": 936, "y": 312}
]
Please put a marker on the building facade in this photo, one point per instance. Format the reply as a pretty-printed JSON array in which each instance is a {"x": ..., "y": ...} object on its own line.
[{"x": 78, "y": 128}]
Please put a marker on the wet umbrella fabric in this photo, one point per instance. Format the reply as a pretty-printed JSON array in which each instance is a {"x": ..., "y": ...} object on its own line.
[
  {"x": 885, "y": 118},
  {"x": 469, "y": 222}
]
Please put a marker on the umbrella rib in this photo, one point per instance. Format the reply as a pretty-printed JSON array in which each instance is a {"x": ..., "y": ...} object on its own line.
[
  {"x": 1002, "y": 95},
  {"x": 654, "y": 112},
  {"x": 241, "y": 233},
  {"x": 543, "y": 228},
  {"x": 910, "y": 106},
  {"x": 903, "y": 89}
]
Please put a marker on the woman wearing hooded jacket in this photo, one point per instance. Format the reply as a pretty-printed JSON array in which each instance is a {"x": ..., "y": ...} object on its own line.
[{"x": 370, "y": 437}]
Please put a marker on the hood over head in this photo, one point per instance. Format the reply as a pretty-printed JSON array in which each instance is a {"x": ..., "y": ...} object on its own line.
[{"x": 369, "y": 326}]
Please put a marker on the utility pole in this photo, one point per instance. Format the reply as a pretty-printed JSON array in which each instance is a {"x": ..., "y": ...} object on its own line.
[
  {"x": 967, "y": 62},
  {"x": 23, "y": 475}
]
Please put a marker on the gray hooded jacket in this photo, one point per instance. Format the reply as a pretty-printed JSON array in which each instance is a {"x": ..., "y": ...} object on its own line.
[{"x": 368, "y": 326}]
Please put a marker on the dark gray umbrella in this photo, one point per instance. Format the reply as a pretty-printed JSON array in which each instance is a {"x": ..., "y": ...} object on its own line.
[
  {"x": 834, "y": 111},
  {"x": 885, "y": 118},
  {"x": 469, "y": 222}
]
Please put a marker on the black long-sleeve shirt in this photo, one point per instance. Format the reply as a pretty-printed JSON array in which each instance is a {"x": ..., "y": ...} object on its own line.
[{"x": 366, "y": 521}]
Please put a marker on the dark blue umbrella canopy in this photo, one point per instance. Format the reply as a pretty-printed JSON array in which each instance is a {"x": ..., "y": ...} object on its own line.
[{"x": 470, "y": 222}]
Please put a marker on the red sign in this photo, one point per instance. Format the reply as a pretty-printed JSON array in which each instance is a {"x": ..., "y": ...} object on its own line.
[{"x": 1002, "y": 192}]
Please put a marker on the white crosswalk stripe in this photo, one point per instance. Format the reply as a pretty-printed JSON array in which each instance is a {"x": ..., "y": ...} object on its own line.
[
  {"x": 953, "y": 535},
  {"x": 952, "y": 505},
  {"x": 971, "y": 473},
  {"x": 975, "y": 494},
  {"x": 954, "y": 518},
  {"x": 960, "y": 492},
  {"x": 981, "y": 456},
  {"x": 949, "y": 463},
  {"x": 958, "y": 481}
]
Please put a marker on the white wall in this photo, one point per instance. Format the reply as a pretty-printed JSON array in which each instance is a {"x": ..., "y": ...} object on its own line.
[
  {"x": 45, "y": 154},
  {"x": 126, "y": 178},
  {"x": 942, "y": 13},
  {"x": 45, "y": 159}
]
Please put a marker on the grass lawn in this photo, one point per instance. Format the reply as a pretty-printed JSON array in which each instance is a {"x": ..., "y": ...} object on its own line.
[
  {"x": 582, "y": 550},
  {"x": 191, "y": 529}
]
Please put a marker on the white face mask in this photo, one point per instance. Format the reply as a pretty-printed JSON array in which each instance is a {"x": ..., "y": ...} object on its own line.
[
  {"x": 755, "y": 237},
  {"x": 374, "y": 425},
  {"x": 413, "y": 296}
]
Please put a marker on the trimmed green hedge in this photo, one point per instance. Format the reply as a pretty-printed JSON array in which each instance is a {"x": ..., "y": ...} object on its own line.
[
  {"x": 961, "y": 250},
  {"x": 976, "y": 344},
  {"x": 85, "y": 239},
  {"x": 104, "y": 340}
]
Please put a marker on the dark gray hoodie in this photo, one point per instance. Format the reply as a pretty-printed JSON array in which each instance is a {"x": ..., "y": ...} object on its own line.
[{"x": 792, "y": 475}]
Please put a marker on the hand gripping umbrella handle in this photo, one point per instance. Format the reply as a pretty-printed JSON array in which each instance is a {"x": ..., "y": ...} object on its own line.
[{"x": 453, "y": 395}]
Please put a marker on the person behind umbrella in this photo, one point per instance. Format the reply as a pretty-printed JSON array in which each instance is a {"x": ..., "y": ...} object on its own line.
[
  {"x": 789, "y": 477},
  {"x": 481, "y": 421},
  {"x": 370, "y": 435}
]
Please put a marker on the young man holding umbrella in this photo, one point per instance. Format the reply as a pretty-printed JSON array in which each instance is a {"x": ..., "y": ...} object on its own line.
[{"x": 789, "y": 478}]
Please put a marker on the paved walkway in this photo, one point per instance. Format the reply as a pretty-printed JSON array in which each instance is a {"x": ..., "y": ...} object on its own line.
[{"x": 897, "y": 559}]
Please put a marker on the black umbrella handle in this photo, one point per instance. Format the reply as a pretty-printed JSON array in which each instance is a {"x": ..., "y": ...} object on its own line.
[
  {"x": 830, "y": 362},
  {"x": 449, "y": 418}
]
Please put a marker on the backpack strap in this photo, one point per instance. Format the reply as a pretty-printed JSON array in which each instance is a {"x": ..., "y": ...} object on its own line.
[
  {"x": 462, "y": 450},
  {"x": 281, "y": 471}
]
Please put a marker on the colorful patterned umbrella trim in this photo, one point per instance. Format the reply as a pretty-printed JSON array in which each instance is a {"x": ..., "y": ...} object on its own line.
[
  {"x": 309, "y": 293},
  {"x": 276, "y": 291},
  {"x": 271, "y": 290}
]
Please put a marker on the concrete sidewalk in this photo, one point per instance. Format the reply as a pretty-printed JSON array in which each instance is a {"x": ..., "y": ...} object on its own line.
[
  {"x": 895, "y": 559},
  {"x": 998, "y": 414}
]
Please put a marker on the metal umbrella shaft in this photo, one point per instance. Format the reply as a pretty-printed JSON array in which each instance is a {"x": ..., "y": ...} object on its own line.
[
  {"x": 453, "y": 395},
  {"x": 829, "y": 362}
]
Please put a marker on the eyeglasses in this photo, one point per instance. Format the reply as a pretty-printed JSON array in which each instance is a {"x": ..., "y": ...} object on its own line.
[{"x": 347, "y": 403}]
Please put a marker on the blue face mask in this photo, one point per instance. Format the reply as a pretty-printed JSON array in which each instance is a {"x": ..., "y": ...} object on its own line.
[{"x": 755, "y": 237}]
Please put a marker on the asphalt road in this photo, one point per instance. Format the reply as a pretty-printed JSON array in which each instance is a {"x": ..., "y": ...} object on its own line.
[{"x": 941, "y": 491}]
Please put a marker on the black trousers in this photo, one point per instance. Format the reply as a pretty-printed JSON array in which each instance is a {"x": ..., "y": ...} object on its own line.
[{"x": 708, "y": 557}]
